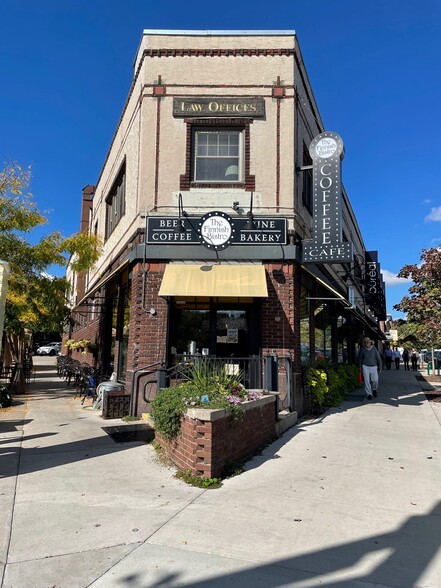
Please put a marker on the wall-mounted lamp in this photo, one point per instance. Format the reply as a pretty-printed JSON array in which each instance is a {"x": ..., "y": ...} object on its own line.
[
  {"x": 181, "y": 213},
  {"x": 152, "y": 311},
  {"x": 250, "y": 226},
  {"x": 235, "y": 206}
]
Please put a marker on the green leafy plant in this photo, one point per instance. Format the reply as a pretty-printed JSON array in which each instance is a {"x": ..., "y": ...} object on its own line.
[
  {"x": 232, "y": 468},
  {"x": 80, "y": 345},
  {"x": 317, "y": 379},
  {"x": 330, "y": 383},
  {"x": 208, "y": 385},
  {"x": 129, "y": 419},
  {"x": 198, "y": 481},
  {"x": 167, "y": 410},
  {"x": 206, "y": 373}
]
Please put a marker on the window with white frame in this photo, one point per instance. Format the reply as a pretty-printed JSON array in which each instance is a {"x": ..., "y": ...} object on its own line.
[{"x": 218, "y": 155}]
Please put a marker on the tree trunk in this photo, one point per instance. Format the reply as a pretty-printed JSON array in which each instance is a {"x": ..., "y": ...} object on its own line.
[{"x": 15, "y": 346}]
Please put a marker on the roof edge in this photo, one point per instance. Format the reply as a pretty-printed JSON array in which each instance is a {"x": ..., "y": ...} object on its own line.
[{"x": 215, "y": 33}]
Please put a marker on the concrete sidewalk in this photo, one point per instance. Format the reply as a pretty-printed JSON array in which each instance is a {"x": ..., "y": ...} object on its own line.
[{"x": 350, "y": 499}]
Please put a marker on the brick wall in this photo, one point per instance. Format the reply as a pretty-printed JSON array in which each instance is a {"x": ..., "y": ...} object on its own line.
[
  {"x": 91, "y": 332},
  {"x": 281, "y": 322},
  {"x": 148, "y": 332},
  {"x": 210, "y": 439},
  {"x": 279, "y": 330}
]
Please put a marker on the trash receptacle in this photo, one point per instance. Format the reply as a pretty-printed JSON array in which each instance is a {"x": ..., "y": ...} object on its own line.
[
  {"x": 116, "y": 404},
  {"x": 103, "y": 389}
]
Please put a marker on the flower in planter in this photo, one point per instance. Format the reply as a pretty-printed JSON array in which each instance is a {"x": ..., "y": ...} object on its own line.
[
  {"x": 253, "y": 395},
  {"x": 233, "y": 399},
  {"x": 81, "y": 345},
  {"x": 207, "y": 385}
]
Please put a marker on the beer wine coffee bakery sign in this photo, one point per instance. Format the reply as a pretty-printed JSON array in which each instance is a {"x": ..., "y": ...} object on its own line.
[
  {"x": 216, "y": 230},
  {"x": 326, "y": 246}
]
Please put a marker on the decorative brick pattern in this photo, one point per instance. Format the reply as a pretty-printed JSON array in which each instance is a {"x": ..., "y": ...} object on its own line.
[
  {"x": 218, "y": 52},
  {"x": 206, "y": 446}
]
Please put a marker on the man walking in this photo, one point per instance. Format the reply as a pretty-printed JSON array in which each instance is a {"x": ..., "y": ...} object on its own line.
[
  {"x": 370, "y": 363},
  {"x": 388, "y": 354},
  {"x": 397, "y": 358}
]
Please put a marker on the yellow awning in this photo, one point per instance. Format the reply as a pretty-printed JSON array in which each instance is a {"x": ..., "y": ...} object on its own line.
[{"x": 239, "y": 280}]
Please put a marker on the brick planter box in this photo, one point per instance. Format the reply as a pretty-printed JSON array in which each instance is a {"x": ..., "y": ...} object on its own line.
[{"x": 210, "y": 438}]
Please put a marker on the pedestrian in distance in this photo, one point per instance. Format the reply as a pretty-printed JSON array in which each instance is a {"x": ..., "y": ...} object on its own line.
[
  {"x": 388, "y": 355},
  {"x": 397, "y": 358},
  {"x": 371, "y": 365},
  {"x": 414, "y": 359},
  {"x": 405, "y": 357}
]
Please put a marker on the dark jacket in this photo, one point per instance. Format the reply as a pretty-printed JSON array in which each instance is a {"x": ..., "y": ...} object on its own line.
[{"x": 369, "y": 357}]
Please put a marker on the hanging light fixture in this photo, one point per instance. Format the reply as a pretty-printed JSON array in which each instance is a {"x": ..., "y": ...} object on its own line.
[
  {"x": 181, "y": 213},
  {"x": 251, "y": 225}
]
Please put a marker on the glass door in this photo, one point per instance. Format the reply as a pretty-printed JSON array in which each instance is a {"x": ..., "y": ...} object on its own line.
[
  {"x": 214, "y": 328},
  {"x": 231, "y": 326}
]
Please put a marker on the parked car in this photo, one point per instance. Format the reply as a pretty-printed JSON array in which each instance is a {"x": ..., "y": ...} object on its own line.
[{"x": 49, "y": 349}]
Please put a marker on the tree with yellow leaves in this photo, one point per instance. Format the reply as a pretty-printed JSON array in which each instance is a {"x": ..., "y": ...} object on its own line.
[{"x": 35, "y": 301}]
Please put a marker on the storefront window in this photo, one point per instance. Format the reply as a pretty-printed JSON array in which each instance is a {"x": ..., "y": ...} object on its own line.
[
  {"x": 124, "y": 330},
  {"x": 342, "y": 340},
  {"x": 305, "y": 351},
  {"x": 213, "y": 327},
  {"x": 114, "y": 304},
  {"x": 323, "y": 339},
  {"x": 192, "y": 331}
]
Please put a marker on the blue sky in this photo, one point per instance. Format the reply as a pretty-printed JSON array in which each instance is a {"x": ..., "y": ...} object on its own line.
[{"x": 66, "y": 69}]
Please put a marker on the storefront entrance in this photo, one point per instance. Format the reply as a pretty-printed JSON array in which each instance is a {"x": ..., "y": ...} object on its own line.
[{"x": 213, "y": 327}]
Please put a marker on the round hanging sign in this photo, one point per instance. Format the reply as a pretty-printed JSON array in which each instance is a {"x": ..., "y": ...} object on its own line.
[{"x": 216, "y": 230}]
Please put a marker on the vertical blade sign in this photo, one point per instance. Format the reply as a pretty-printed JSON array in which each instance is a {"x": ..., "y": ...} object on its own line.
[{"x": 326, "y": 246}]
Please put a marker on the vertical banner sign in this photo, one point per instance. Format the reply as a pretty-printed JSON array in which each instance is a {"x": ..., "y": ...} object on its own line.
[
  {"x": 326, "y": 246},
  {"x": 372, "y": 278},
  {"x": 374, "y": 285}
]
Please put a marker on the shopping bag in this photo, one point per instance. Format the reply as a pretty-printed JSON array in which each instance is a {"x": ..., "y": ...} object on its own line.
[{"x": 360, "y": 377}]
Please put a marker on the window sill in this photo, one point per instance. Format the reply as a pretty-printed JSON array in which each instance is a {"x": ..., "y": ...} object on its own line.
[{"x": 240, "y": 185}]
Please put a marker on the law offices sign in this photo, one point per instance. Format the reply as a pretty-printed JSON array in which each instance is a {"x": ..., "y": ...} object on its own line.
[
  {"x": 215, "y": 107},
  {"x": 326, "y": 245}
]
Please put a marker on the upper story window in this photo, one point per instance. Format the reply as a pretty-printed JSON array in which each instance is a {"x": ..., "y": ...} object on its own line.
[
  {"x": 116, "y": 202},
  {"x": 307, "y": 180},
  {"x": 218, "y": 155}
]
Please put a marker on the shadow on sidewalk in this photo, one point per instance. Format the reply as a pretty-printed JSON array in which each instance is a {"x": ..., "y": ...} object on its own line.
[
  {"x": 36, "y": 459},
  {"x": 398, "y": 559}
]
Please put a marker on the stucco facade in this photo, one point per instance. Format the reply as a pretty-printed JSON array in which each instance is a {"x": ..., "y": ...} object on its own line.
[{"x": 198, "y": 101}]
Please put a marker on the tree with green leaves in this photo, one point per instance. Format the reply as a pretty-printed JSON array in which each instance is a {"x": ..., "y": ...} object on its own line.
[
  {"x": 423, "y": 303},
  {"x": 35, "y": 301}
]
